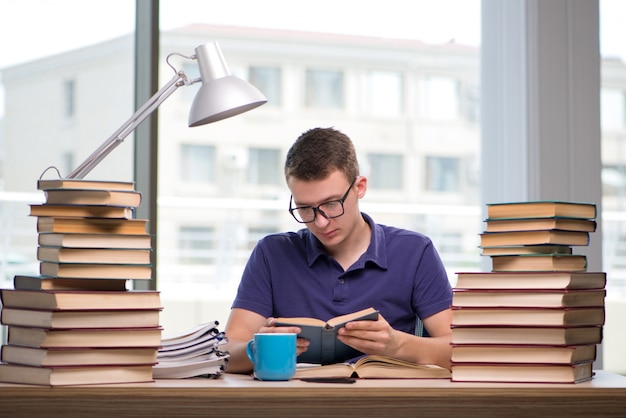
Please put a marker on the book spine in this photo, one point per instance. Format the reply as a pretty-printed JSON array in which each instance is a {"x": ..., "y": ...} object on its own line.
[{"x": 328, "y": 345}]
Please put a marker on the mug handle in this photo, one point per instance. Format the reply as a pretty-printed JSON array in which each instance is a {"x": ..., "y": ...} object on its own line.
[{"x": 250, "y": 350}]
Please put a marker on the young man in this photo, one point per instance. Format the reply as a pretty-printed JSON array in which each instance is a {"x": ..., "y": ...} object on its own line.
[{"x": 340, "y": 263}]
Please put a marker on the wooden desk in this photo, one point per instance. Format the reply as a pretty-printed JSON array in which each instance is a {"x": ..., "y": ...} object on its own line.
[{"x": 234, "y": 395}]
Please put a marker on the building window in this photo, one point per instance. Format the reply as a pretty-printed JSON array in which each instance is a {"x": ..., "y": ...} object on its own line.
[
  {"x": 384, "y": 93},
  {"x": 69, "y": 99},
  {"x": 385, "y": 171},
  {"x": 195, "y": 244},
  {"x": 264, "y": 166},
  {"x": 324, "y": 89},
  {"x": 197, "y": 163},
  {"x": 613, "y": 115},
  {"x": 439, "y": 98},
  {"x": 268, "y": 81},
  {"x": 443, "y": 174}
]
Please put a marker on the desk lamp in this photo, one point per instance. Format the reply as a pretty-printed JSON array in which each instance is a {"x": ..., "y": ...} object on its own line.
[{"x": 221, "y": 96}]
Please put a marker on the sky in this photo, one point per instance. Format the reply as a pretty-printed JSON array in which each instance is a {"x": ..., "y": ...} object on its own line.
[
  {"x": 33, "y": 28},
  {"x": 30, "y": 28}
]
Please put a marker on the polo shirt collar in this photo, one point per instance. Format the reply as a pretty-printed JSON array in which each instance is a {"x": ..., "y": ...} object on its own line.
[{"x": 376, "y": 252}]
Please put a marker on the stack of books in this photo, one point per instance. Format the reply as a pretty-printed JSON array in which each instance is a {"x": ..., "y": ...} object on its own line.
[
  {"x": 538, "y": 315},
  {"x": 77, "y": 322}
]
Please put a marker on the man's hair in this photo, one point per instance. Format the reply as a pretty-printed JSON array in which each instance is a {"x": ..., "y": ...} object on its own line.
[{"x": 320, "y": 151}]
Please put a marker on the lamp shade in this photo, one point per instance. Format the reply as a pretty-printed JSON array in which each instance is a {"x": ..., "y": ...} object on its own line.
[{"x": 221, "y": 95}]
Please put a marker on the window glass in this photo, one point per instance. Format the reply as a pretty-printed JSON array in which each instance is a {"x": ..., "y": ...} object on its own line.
[
  {"x": 66, "y": 84},
  {"x": 268, "y": 80},
  {"x": 384, "y": 93},
  {"x": 264, "y": 166},
  {"x": 385, "y": 171},
  {"x": 324, "y": 89},
  {"x": 442, "y": 174},
  {"x": 197, "y": 163},
  {"x": 438, "y": 98}
]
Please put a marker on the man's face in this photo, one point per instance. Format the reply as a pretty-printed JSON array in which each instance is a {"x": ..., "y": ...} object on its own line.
[{"x": 331, "y": 232}]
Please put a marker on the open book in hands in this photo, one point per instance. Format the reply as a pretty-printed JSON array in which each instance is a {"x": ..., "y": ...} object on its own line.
[
  {"x": 373, "y": 366},
  {"x": 325, "y": 348}
]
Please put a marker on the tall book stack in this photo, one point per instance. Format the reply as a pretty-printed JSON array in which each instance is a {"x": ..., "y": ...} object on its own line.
[
  {"x": 538, "y": 315},
  {"x": 76, "y": 322}
]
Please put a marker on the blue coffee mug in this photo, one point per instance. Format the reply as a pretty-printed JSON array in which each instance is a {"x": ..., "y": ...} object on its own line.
[{"x": 273, "y": 355}]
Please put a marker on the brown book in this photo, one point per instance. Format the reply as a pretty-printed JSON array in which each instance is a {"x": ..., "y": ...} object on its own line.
[
  {"x": 528, "y": 316},
  {"x": 571, "y": 354},
  {"x": 81, "y": 184},
  {"x": 71, "y": 375},
  {"x": 552, "y": 236},
  {"x": 92, "y": 225},
  {"x": 96, "y": 270},
  {"x": 526, "y": 335},
  {"x": 93, "y": 197},
  {"x": 77, "y": 299},
  {"x": 84, "y": 338},
  {"x": 45, "y": 357},
  {"x": 526, "y": 249},
  {"x": 531, "y": 280},
  {"x": 78, "y": 240},
  {"x": 539, "y": 262},
  {"x": 93, "y": 255},
  {"x": 82, "y": 211},
  {"x": 374, "y": 366},
  {"x": 545, "y": 208},
  {"x": 538, "y": 224},
  {"x": 106, "y": 318},
  {"x": 522, "y": 373},
  {"x": 540, "y": 298},
  {"x": 323, "y": 334},
  {"x": 25, "y": 282}
]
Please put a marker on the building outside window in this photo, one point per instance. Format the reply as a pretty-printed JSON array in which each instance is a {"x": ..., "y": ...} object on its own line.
[
  {"x": 197, "y": 163},
  {"x": 324, "y": 89},
  {"x": 267, "y": 80}
]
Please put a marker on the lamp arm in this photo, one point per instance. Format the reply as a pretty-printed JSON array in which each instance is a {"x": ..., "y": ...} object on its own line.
[{"x": 179, "y": 79}]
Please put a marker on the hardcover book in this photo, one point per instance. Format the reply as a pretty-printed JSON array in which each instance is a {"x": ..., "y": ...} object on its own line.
[
  {"x": 92, "y": 225},
  {"x": 74, "y": 375},
  {"x": 96, "y": 270},
  {"x": 545, "y": 298},
  {"x": 82, "y": 211},
  {"x": 539, "y": 262},
  {"x": 70, "y": 356},
  {"x": 325, "y": 348},
  {"x": 526, "y": 335},
  {"x": 82, "y": 184},
  {"x": 531, "y": 280},
  {"x": 80, "y": 300},
  {"x": 551, "y": 236},
  {"x": 538, "y": 224},
  {"x": 26, "y": 282},
  {"x": 126, "y": 198},
  {"x": 541, "y": 209},
  {"x": 93, "y": 255},
  {"x": 85, "y": 240},
  {"x": 528, "y": 316},
  {"x": 105, "y": 318},
  {"x": 527, "y": 373},
  {"x": 84, "y": 337},
  {"x": 570, "y": 354}
]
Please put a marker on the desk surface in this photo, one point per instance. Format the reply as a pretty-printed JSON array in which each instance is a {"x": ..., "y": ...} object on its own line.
[{"x": 238, "y": 395}]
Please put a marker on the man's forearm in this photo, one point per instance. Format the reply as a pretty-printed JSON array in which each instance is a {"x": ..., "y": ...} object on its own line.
[{"x": 238, "y": 361}]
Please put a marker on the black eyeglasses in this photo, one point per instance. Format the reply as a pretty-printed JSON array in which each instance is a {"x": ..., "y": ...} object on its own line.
[{"x": 329, "y": 210}]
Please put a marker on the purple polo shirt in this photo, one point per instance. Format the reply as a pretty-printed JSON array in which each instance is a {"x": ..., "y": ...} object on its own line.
[{"x": 289, "y": 274}]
